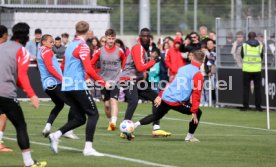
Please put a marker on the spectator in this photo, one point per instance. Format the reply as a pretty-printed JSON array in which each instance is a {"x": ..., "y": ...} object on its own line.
[
  {"x": 213, "y": 35},
  {"x": 90, "y": 35},
  {"x": 226, "y": 49},
  {"x": 58, "y": 49},
  {"x": 203, "y": 32},
  {"x": 33, "y": 45},
  {"x": 170, "y": 41},
  {"x": 121, "y": 44},
  {"x": 152, "y": 45},
  {"x": 194, "y": 44},
  {"x": 174, "y": 58},
  {"x": 260, "y": 38},
  {"x": 95, "y": 45},
  {"x": 271, "y": 50},
  {"x": 102, "y": 41},
  {"x": 236, "y": 49},
  {"x": 164, "y": 78},
  {"x": 126, "y": 50},
  {"x": 65, "y": 39},
  {"x": 154, "y": 72},
  {"x": 179, "y": 34},
  {"x": 208, "y": 70},
  {"x": 252, "y": 55}
]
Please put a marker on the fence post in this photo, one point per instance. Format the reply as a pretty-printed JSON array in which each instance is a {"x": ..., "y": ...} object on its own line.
[
  {"x": 195, "y": 15},
  {"x": 218, "y": 63},
  {"x": 158, "y": 17},
  {"x": 247, "y": 26},
  {"x": 121, "y": 17}
]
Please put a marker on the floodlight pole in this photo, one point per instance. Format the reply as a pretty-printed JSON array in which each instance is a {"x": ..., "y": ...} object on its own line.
[
  {"x": 266, "y": 81},
  {"x": 121, "y": 17},
  {"x": 195, "y": 15},
  {"x": 158, "y": 17}
]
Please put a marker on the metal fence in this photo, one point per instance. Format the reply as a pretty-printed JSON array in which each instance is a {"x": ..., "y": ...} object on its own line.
[
  {"x": 51, "y": 2},
  {"x": 230, "y": 39},
  {"x": 183, "y": 15}
]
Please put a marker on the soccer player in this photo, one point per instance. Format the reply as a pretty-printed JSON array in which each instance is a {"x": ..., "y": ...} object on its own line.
[
  {"x": 133, "y": 75},
  {"x": 111, "y": 58},
  {"x": 3, "y": 117},
  {"x": 51, "y": 78},
  {"x": 77, "y": 65},
  {"x": 186, "y": 85},
  {"x": 14, "y": 66}
]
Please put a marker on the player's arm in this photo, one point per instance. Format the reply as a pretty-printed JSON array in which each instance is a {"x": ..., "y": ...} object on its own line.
[
  {"x": 122, "y": 58},
  {"x": 95, "y": 58},
  {"x": 138, "y": 58},
  {"x": 23, "y": 61},
  {"x": 62, "y": 64},
  {"x": 196, "y": 92},
  {"x": 242, "y": 54},
  {"x": 196, "y": 95},
  {"x": 47, "y": 57},
  {"x": 168, "y": 60},
  {"x": 82, "y": 52}
]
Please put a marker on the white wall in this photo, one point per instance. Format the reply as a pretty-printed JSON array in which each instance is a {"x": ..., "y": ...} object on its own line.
[{"x": 58, "y": 23}]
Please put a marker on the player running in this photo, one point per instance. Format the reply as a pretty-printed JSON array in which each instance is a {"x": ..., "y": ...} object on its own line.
[
  {"x": 14, "y": 64},
  {"x": 51, "y": 78},
  {"x": 3, "y": 117},
  {"x": 111, "y": 58},
  {"x": 133, "y": 74},
  {"x": 186, "y": 85},
  {"x": 77, "y": 65}
]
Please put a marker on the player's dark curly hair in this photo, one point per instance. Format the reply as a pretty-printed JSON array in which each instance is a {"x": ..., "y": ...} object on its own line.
[
  {"x": 20, "y": 33},
  {"x": 3, "y": 30}
]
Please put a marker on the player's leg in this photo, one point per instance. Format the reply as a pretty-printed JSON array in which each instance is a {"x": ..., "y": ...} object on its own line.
[
  {"x": 246, "y": 88},
  {"x": 186, "y": 109},
  {"x": 107, "y": 106},
  {"x": 54, "y": 94},
  {"x": 79, "y": 118},
  {"x": 87, "y": 105},
  {"x": 14, "y": 113},
  {"x": 131, "y": 94},
  {"x": 151, "y": 95},
  {"x": 114, "y": 107},
  {"x": 162, "y": 110},
  {"x": 3, "y": 121},
  {"x": 257, "y": 89}
]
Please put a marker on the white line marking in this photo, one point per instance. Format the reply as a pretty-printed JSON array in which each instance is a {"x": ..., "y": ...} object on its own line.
[
  {"x": 107, "y": 155},
  {"x": 215, "y": 124}
]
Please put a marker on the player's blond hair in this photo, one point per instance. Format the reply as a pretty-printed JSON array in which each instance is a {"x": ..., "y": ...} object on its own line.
[
  {"x": 82, "y": 27},
  {"x": 198, "y": 55}
]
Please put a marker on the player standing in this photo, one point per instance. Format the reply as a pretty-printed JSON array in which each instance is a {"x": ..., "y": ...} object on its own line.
[
  {"x": 186, "y": 85},
  {"x": 77, "y": 65},
  {"x": 14, "y": 64},
  {"x": 111, "y": 58}
]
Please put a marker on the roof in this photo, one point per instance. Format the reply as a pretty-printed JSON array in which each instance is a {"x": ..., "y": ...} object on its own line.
[{"x": 57, "y": 7}]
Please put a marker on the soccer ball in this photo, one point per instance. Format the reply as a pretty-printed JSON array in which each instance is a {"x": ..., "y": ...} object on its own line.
[{"x": 127, "y": 126}]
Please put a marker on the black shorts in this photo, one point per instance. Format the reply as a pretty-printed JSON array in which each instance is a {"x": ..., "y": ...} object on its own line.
[
  {"x": 1, "y": 112},
  {"x": 108, "y": 94}
]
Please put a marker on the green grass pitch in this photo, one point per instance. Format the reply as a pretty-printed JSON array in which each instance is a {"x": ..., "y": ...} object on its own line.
[{"x": 229, "y": 138}]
